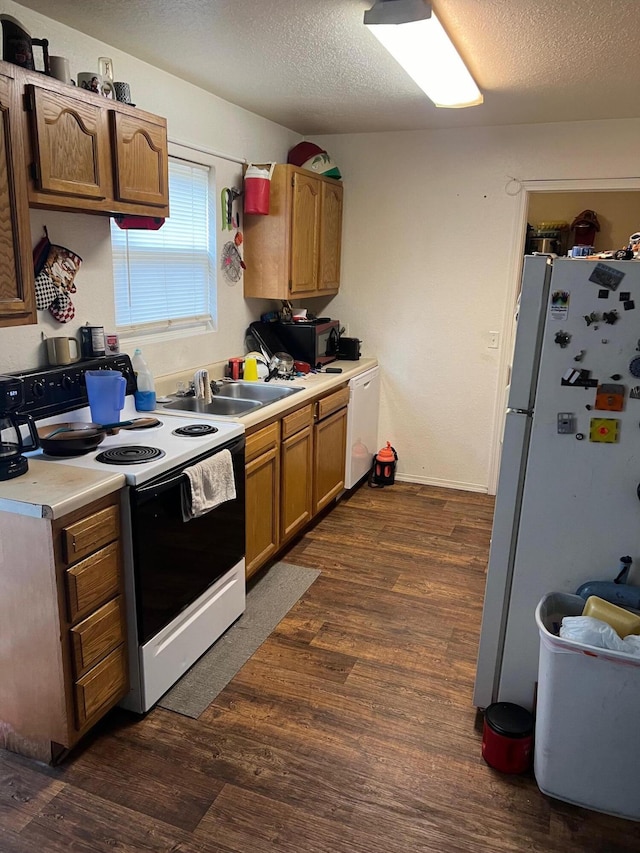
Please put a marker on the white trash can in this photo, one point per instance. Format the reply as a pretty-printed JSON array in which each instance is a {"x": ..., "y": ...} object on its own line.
[{"x": 587, "y": 737}]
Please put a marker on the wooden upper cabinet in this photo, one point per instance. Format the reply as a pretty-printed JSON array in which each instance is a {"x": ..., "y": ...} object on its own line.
[
  {"x": 70, "y": 145},
  {"x": 294, "y": 251},
  {"x": 305, "y": 233},
  {"x": 330, "y": 237},
  {"x": 90, "y": 154},
  {"x": 141, "y": 160},
  {"x": 17, "y": 294}
]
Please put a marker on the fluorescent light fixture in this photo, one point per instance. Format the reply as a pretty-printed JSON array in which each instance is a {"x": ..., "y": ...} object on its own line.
[{"x": 415, "y": 38}]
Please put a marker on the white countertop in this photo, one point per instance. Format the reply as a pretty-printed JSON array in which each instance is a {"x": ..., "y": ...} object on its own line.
[
  {"x": 51, "y": 491},
  {"x": 313, "y": 385}
]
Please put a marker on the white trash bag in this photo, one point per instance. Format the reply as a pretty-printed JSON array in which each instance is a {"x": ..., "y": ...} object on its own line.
[{"x": 595, "y": 632}]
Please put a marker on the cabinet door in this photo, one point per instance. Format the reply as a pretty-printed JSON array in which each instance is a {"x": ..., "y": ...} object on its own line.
[
  {"x": 330, "y": 236},
  {"x": 141, "y": 160},
  {"x": 262, "y": 489},
  {"x": 295, "y": 489},
  {"x": 17, "y": 295},
  {"x": 305, "y": 219},
  {"x": 70, "y": 144},
  {"x": 329, "y": 447}
]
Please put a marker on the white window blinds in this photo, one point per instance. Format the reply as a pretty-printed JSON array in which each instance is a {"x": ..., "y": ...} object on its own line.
[{"x": 167, "y": 277}]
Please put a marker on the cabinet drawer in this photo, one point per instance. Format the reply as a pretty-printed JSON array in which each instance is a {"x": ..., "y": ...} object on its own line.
[
  {"x": 331, "y": 403},
  {"x": 91, "y": 533},
  {"x": 296, "y": 421},
  {"x": 93, "y": 581},
  {"x": 102, "y": 686},
  {"x": 261, "y": 441},
  {"x": 97, "y": 635}
]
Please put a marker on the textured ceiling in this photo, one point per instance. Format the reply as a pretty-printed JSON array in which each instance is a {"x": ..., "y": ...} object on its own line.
[{"x": 313, "y": 67}]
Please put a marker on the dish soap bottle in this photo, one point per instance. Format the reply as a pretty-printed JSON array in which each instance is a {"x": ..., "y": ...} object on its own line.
[{"x": 145, "y": 395}]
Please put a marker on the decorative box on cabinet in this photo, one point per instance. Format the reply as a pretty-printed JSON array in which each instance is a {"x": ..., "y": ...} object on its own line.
[{"x": 294, "y": 251}]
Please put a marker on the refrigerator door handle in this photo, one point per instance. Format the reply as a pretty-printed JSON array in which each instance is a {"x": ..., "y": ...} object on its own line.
[{"x": 527, "y": 412}]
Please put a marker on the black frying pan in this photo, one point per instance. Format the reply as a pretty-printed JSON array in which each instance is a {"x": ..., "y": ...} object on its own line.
[{"x": 74, "y": 439}]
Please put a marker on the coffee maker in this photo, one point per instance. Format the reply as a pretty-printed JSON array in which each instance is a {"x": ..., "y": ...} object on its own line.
[{"x": 12, "y": 444}]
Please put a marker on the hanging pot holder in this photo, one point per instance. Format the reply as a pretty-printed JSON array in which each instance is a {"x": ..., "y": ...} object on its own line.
[
  {"x": 55, "y": 268},
  {"x": 62, "y": 308}
]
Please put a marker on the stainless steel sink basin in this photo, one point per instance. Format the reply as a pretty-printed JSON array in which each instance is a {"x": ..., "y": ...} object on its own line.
[
  {"x": 233, "y": 398},
  {"x": 218, "y": 406},
  {"x": 254, "y": 391}
]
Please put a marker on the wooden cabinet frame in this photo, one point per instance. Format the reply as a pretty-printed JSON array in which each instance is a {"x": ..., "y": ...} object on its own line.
[
  {"x": 90, "y": 154},
  {"x": 68, "y": 665},
  {"x": 294, "y": 252},
  {"x": 17, "y": 292},
  {"x": 294, "y": 469}
]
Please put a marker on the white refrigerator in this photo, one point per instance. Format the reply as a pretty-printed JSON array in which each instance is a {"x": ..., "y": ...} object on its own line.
[{"x": 567, "y": 504}]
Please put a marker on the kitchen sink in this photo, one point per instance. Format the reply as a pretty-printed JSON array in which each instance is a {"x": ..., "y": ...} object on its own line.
[
  {"x": 218, "y": 406},
  {"x": 254, "y": 391},
  {"x": 233, "y": 398}
]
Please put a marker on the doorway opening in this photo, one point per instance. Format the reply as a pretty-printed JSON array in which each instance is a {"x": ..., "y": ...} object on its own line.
[{"x": 617, "y": 204}]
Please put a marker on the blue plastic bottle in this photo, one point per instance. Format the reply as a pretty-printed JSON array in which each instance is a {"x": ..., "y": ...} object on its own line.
[{"x": 145, "y": 395}]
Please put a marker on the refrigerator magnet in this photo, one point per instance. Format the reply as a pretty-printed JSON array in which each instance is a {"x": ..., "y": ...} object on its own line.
[
  {"x": 559, "y": 309},
  {"x": 604, "y": 430},
  {"x": 606, "y": 276},
  {"x": 610, "y": 397}
]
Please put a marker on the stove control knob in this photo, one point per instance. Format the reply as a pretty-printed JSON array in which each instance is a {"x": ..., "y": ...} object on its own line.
[
  {"x": 66, "y": 382},
  {"x": 38, "y": 388}
]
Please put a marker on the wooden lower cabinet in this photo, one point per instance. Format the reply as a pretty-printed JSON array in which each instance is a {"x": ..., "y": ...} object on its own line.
[
  {"x": 295, "y": 483},
  {"x": 63, "y": 619},
  {"x": 294, "y": 469},
  {"x": 329, "y": 444},
  {"x": 262, "y": 495}
]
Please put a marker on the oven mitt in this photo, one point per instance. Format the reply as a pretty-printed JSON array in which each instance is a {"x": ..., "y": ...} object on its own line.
[
  {"x": 55, "y": 269},
  {"x": 62, "y": 266}
]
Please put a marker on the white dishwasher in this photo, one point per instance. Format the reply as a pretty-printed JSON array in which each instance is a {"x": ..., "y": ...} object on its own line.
[{"x": 362, "y": 425}]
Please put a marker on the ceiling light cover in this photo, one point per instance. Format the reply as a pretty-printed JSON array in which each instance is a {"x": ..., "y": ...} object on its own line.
[{"x": 413, "y": 35}]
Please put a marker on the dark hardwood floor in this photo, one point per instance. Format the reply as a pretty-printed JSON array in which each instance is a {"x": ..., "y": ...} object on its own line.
[{"x": 351, "y": 730}]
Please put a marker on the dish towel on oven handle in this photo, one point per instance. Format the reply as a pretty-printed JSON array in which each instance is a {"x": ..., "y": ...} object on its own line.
[{"x": 209, "y": 483}]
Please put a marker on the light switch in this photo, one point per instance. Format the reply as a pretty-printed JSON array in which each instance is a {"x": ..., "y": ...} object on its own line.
[{"x": 494, "y": 340}]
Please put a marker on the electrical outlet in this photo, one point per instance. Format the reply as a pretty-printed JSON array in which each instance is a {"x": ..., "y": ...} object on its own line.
[{"x": 494, "y": 340}]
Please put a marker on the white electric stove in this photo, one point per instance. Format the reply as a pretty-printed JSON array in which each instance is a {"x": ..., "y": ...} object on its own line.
[
  {"x": 184, "y": 579},
  {"x": 142, "y": 454}
]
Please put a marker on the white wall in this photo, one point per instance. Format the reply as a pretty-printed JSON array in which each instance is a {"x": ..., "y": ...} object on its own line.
[
  {"x": 193, "y": 116},
  {"x": 429, "y": 237},
  {"x": 428, "y": 242}
]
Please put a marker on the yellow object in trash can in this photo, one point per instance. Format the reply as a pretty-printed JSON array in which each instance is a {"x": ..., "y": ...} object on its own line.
[{"x": 622, "y": 621}]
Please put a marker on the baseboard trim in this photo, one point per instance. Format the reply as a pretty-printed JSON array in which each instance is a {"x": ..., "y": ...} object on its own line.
[{"x": 444, "y": 484}]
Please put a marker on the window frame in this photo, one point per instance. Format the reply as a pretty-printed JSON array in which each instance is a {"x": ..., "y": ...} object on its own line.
[{"x": 175, "y": 328}]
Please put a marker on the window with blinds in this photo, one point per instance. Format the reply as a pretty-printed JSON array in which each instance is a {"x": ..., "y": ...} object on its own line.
[{"x": 165, "y": 279}]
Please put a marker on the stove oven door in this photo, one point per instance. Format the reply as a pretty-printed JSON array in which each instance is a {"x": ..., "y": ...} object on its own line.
[{"x": 175, "y": 561}]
